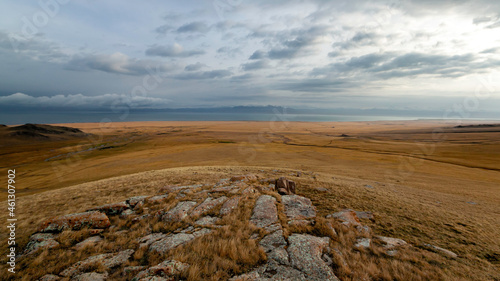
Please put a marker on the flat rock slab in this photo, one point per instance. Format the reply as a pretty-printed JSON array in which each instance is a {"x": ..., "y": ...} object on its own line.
[
  {"x": 230, "y": 205},
  {"x": 112, "y": 209},
  {"x": 390, "y": 243},
  {"x": 150, "y": 239},
  {"x": 272, "y": 272},
  {"x": 179, "y": 212},
  {"x": 305, "y": 253},
  {"x": 170, "y": 242},
  {"x": 264, "y": 212},
  {"x": 90, "y": 276},
  {"x": 207, "y": 205},
  {"x": 49, "y": 277},
  {"x": 363, "y": 243},
  {"x": 208, "y": 220},
  {"x": 91, "y": 219},
  {"x": 40, "y": 241},
  {"x": 157, "y": 198},
  {"x": 273, "y": 241},
  {"x": 347, "y": 216},
  {"x": 441, "y": 250},
  {"x": 91, "y": 241},
  {"x": 168, "y": 269},
  {"x": 106, "y": 260},
  {"x": 298, "y": 207}
]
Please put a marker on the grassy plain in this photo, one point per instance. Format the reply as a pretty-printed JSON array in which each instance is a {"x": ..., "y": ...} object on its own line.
[{"x": 426, "y": 181}]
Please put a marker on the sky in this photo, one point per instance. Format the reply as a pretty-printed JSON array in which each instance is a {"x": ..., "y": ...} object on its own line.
[{"x": 412, "y": 54}]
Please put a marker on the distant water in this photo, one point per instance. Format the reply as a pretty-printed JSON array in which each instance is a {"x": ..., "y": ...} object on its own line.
[
  {"x": 13, "y": 118},
  {"x": 80, "y": 117}
]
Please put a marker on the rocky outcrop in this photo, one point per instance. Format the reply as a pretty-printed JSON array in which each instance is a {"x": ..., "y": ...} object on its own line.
[
  {"x": 89, "y": 242},
  {"x": 298, "y": 207},
  {"x": 264, "y": 212},
  {"x": 347, "y": 216},
  {"x": 91, "y": 219},
  {"x": 284, "y": 186}
]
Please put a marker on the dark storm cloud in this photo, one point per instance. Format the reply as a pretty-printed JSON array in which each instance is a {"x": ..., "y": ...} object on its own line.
[{"x": 172, "y": 51}]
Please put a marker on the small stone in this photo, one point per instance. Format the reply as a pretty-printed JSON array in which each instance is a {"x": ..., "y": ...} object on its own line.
[
  {"x": 347, "y": 216},
  {"x": 284, "y": 186},
  {"x": 363, "y": 243},
  {"x": 390, "y": 243},
  {"x": 132, "y": 201},
  {"x": 365, "y": 215},
  {"x": 437, "y": 249}
]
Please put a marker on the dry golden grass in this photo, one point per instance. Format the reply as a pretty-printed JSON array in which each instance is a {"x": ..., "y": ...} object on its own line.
[{"x": 421, "y": 188}]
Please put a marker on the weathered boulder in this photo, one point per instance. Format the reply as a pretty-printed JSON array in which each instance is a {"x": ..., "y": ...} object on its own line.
[
  {"x": 91, "y": 241},
  {"x": 347, "y": 216},
  {"x": 440, "y": 250},
  {"x": 170, "y": 242},
  {"x": 364, "y": 215},
  {"x": 273, "y": 241},
  {"x": 207, "y": 205},
  {"x": 157, "y": 199},
  {"x": 40, "y": 241},
  {"x": 230, "y": 205},
  {"x": 111, "y": 209},
  {"x": 284, "y": 186},
  {"x": 264, "y": 212},
  {"x": 132, "y": 201},
  {"x": 298, "y": 207},
  {"x": 168, "y": 269},
  {"x": 91, "y": 219},
  {"x": 305, "y": 253},
  {"x": 179, "y": 212},
  {"x": 106, "y": 261}
]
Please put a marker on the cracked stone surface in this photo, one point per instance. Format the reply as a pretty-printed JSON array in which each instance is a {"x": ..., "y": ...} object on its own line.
[
  {"x": 170, "y": 242},
  {"x": 179, "y": 212},
  {"x": 208, "y": 220},
  {"x": 264, "y": 212},
  {"x": 92, "y": 219},
  {"x": 40, "y": 241},
  {"x": 168, "y": 269},
  {"x": 230, "y": 205},
  {"x": 298, "y": 207},
  {"x": 207, "y": 205},
  {"x": 106, "y": 260}
]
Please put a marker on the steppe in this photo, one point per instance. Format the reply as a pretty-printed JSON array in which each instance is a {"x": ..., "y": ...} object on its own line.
[{"x": 427, "y": 182}]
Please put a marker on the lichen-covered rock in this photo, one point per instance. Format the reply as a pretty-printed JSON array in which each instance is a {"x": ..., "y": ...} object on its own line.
[
  {"x": 230, "y": 205},
  {"x": 157, "y": 199},
  {"x": 273, "y": 241},
  {"x": 167, "y": 269},
  {"x": 272, "y": 272},
  {"x": 305, "y": 253},
  {"x": 133, "y": 270},
  {"x": 132, "y": 201},
  {"x": 284, "y": 186},
  {"x": 207, "y": 205},
  {"x": 207, "y": 220},
  {"x": 202, "y": 232},
  {"x": 170, "y": 242},
  {"x": 179, "y": 212},
  {"x": 298, "y": 207},
  {"x": 40, "y": 241},
  {"x": 103, "y": 260},
  {"x": 264, "y": 212},
  {"x": 150, "y": 239},
  {"x": 347, "y": 216},
  {"x": 91, "y": 241},
  {"x": 91, "y": 219},
  {"x": 111, "y": 209},
  {"x": 365, "y": 215}
]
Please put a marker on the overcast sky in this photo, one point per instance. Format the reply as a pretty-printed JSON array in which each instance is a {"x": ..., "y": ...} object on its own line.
[{"x": 418, "y": 54}]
